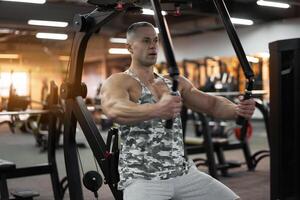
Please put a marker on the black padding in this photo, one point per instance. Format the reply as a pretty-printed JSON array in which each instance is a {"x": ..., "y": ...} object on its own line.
[
  {"x": 7, "y": 165},
  {"x": 23, "y": 194}
]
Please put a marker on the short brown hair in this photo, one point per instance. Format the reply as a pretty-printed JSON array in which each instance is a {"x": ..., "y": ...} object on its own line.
[{"x": 133, "y": 28}]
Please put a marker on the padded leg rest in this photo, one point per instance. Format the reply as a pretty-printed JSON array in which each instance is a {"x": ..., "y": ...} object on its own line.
[
  {"x": 25, "y": 194},
  {"x": 6, "y": 165}
]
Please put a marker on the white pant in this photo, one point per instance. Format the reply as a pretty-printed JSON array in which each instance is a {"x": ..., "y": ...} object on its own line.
[{"x": 195, "y": 185}]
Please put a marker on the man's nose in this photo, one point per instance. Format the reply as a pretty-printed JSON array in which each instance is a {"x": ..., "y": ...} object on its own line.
[{"x": 153, "y": 45}]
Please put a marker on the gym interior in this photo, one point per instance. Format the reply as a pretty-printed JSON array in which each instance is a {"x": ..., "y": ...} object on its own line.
[{"x": 57, "y": 143}]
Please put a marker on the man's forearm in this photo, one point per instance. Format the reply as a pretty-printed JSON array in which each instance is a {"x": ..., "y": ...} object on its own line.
[
  {"x": 224, "y": 109},
  {"x": 130, "y": 113}
]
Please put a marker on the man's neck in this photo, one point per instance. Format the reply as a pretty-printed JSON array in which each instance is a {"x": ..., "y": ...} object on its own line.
[{"x": 144, "y": 73}]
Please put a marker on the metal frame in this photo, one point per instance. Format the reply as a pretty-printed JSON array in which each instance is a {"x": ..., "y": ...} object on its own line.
[
  {"x": 71, "y": 90},
  {"x": 76, "y": 110}
]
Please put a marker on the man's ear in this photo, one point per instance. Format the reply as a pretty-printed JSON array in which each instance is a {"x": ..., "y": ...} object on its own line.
[{"x": 128, "y": 46}]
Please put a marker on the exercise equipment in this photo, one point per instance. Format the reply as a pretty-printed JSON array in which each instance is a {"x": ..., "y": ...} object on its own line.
[
  {"x": 206, "y": 137},
  {"x": 85, "y": 26},
  {"x": 285, "y": 118},
  {"x": 9, "y": 170},
  {"x": 237, "y": 131},
  {"x": 194, "y": 73}
]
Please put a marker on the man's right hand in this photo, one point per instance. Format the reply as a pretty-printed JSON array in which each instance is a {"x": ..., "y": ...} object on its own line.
[{"x": 169, "y": 106}]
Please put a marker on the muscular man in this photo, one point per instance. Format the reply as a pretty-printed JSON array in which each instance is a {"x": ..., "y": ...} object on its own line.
[{"x": 152, "y": 164}]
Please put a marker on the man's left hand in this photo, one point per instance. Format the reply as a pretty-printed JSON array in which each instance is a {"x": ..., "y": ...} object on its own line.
[{"x": 246, "y": 108}]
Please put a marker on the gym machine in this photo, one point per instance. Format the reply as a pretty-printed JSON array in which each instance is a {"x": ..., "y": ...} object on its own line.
[
  {"x": 73, "y": 91},
  {"x": 9, "y": 170},
  {"x": 284, "y": 119}
]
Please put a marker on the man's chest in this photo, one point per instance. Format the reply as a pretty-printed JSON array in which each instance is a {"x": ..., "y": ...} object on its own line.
[{"x": 153, "y": 90}]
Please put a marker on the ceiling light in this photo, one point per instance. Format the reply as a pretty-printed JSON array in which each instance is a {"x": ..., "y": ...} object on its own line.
[
  {"x": 9, "y": 56},
  {"x": 151, "y": 12},
  {"x": 156, "y": 30},
  {"x": 118, "y": 51},
  {"x": 28, "y": 1},
  {"x": 253, "y": 59},
  {"x": 241, "y": 21},
  {"x": 272, "y": 4},
  {"x": 47, "y": 23},
  {"x": 5, "y": 30},
  {"x": 51, "y": 36},
  {"x": 118, "y": 40}
]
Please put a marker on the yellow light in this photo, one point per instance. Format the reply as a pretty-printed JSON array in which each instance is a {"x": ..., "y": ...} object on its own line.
[
  {"x": 20, "y": 83},
  {"x": 64, "y": 58},
  {"x": 19, "y": 80},
  {"x": 9, "y": 56}
]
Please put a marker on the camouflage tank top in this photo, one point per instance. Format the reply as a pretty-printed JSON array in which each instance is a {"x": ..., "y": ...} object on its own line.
[{"x": 149, "y": 150}]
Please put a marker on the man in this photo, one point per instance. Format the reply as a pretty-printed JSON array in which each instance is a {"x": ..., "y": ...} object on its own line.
[{"x": 152, "y": 164}]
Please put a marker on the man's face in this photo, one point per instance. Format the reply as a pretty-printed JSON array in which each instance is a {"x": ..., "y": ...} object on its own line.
[{"x": 144, "y": 46}]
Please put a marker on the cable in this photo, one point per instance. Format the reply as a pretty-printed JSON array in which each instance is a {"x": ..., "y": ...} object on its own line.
[{"x": 81, "y": 166}]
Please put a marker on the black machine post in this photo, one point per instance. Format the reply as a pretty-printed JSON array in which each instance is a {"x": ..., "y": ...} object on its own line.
[
  {"x": 235, "y": 41},
  {"x": 168, "y": 49},
  {"x": 285, "y": 118},
  {"x": 248, "y": 72},
  {"x": 72, "y": 90}
]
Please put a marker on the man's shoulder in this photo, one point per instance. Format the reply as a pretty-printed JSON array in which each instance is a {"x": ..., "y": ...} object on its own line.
[
  {"x": 120, "y": 79},
  {"x": 121, "y": 76}
]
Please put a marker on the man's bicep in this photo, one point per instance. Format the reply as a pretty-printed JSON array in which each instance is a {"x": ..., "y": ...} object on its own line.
[
  {"x": 112, "y": 91},
  {"x": 196, "y": 99}
]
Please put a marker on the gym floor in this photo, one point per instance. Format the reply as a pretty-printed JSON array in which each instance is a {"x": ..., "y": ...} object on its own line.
[{"x": 20, "y": 148}]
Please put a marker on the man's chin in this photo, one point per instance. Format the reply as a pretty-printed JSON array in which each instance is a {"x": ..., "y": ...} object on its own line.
[{"x": 150, "y": 63}]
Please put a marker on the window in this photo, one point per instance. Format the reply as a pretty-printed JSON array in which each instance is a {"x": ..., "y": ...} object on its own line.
[{"x": 19, "y": 80}]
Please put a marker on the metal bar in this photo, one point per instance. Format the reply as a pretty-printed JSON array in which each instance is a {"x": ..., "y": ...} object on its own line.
[
  {"x": 89, "y": 128},
  {"x": 237, "y": 93},
  {"x": 93, "y": 22},
  {"x": 85, "y": 26},
  {"x": 53, "y": 135},
  {"x": 94, "y": 139},
  {"x": 221, "y": 7},
  {"x": 235, "y": 41},
  {"x": 168, "y": 49},
  {"x": 209, "y": 149},
  {"x": 221, "y": 159},
  {"x": 3, "y": 187},
  {"x": 70, "y": 152},
  {"x": 264, "y": 110},
  {"x": 29, "y": 112},
  {"x": 30, "y": 171}
]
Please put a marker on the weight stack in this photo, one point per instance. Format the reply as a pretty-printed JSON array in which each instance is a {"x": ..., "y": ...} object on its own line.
[{"x": 285, "y": 119}]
